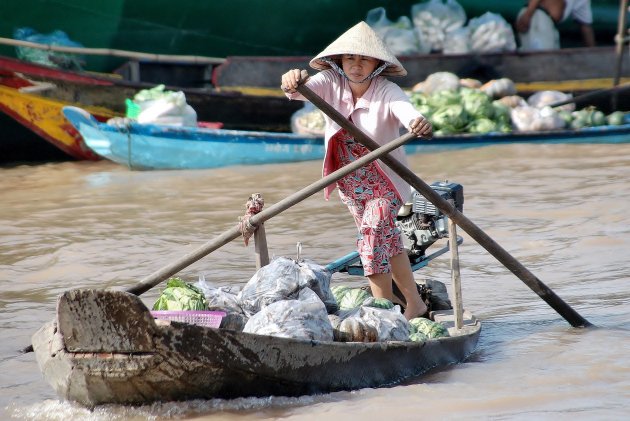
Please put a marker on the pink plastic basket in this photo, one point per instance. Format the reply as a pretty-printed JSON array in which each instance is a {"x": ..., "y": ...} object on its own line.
[{"x": 198, "y": 317}]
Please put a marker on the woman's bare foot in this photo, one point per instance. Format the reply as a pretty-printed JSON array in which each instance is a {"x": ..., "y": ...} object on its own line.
[{"x": 416, "y": 309}]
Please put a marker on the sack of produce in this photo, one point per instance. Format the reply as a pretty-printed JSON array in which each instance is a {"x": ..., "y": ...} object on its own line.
[
  {"x": 181, "y": 295},
  {"x": 457, "y": 41},
  {"x": 390, "y": 324},
  {"x": 490, "y": 33},
  {"x": 45, "y": 57},
  {"x": 499, "y": 88},
  {"x": 543, "y": 98},
  {"x": 440, "y": 81},
  {"x": 437, "y": 18},
  {"x": 303, "y": 318},
  {"x": 530, "y": 119},
  {"x": 223, "y": 299},
  {"x": 282, "y": 279},
  {"x": 308, "y": 121},
  {"x": 399, "y": 36},
  {"x": 159, "y": 106}
]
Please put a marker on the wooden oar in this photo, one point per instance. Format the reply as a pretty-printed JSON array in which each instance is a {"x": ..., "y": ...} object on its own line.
[
  {"x": 160, "y": 275},
  {"x": 467, "y": 225},
  {"x": 590, "y": 95},
  {"x": 233, "y": 233}
]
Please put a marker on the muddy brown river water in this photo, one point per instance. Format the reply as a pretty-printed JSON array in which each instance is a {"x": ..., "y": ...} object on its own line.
[{"x": 562, "y": 210}]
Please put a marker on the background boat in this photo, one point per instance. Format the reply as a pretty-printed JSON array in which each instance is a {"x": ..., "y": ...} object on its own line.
[
  {"x": 141, "y": 146},
  {"x": 221, "y": 29},
  {"x": 146, "y": 146},
  {"x": 44, "y": 118}
]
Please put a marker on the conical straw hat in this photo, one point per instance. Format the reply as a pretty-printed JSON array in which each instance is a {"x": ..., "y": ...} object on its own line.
[{"x": 360, "y": 40}]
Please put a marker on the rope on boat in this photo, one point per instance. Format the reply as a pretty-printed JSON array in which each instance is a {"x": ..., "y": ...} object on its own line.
[{"x": 253, "y": 206}]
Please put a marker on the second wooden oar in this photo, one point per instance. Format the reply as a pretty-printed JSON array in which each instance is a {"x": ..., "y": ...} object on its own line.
[
  {"x": 467, "y": 225},
  {"x": 230, "y": 235}
]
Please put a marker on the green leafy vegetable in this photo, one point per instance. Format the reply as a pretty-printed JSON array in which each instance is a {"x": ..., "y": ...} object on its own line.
[{"x": 180, "y": 295}]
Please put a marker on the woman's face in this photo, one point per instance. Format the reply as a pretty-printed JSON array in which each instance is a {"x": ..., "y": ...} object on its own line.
[{"x": 357, "y": 68}]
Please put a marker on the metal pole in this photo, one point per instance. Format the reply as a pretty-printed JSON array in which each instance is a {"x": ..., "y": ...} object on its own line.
[{"x": 620, "y": 39}]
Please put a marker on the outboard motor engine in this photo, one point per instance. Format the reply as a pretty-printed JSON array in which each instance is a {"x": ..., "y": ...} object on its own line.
[{"x": 421, "y": 223}]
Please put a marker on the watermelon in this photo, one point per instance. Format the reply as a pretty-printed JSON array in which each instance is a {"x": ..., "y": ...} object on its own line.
[
  {"x": 353, "y": 298},
  {"x": 339, "y": 291},
  {"x": 418, "y": 337},
  {"x": 380, "y": 303},
  {"x": 428, "y": 327}
]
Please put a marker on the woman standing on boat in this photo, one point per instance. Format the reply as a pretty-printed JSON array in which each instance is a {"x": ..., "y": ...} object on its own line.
[{"x": 351, "y": 80}]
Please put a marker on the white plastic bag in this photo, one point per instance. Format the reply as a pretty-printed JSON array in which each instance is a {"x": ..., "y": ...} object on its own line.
[
  {"x": 435, "y": 19},
  {"x": 282, "y": 279},
  {"x": 308, "y": 121},
  {"x": 223, "y": 299},
  {"x": 305, "y": 318},
  {"x": 530, "y": 119},
  {"x": 542, "y": 33},
  {"x": 490, "y": 33},
  {"x": 543, "y": 98},
  {"x": 158, "y": 106},
  {"x": 399, "y": 36},
  {"x": 457, "y": 41}
]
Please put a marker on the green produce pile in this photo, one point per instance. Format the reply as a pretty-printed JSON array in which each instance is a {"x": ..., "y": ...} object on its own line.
[
  {"x": 465, "y": 110},
  {"x": 591, "y": 117},
  {"x": 180, "y": 295},
  {"x": 480, "y": 109}
]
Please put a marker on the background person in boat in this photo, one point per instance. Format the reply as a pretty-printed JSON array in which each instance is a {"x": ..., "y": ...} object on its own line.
[
  {"x": 351, "y": 79},
  {"x": 536, "y": 23}
]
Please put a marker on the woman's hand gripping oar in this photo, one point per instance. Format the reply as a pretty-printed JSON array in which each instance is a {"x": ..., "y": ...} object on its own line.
[{"x": 447, "y": 208}]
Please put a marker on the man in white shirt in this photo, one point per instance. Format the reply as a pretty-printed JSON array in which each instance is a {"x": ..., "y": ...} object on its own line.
[{"x": 536, "y": 23}]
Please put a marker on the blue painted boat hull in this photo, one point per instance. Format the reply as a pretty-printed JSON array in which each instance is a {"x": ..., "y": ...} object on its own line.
[{"x": 144, "y": 146}]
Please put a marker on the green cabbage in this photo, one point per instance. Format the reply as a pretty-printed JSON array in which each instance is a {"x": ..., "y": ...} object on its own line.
[
  {"x": 452, "y": 119},
  {"x": 616, "y": 118},
  {"x": 482, "y": 125},
  {"x": 444, "y": 98},
  {"x": 477, "y": 104},
  {"x": 180, "y": 295}
]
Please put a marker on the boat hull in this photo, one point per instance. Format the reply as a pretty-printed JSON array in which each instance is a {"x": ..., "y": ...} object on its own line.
[
  {"x": 162, "y": 147},
  {"x": 44, "y": 118},
  {"x": 104, "y": 347},
  {"x": 168, "y": 147}
]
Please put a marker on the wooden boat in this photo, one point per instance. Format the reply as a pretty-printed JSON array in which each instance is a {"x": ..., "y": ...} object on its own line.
[
  {"x": 236, "y": 110},
  {"x": 571, "y": 70},
  {"x": 44, "y": 118},
  {"x": 221, "y": 29},
  {"x": 105, "y": 347},
  {"x": 33, "y": 96},
  {"x": 170, "y": 147},
  {"x": 167, "y": 147}
]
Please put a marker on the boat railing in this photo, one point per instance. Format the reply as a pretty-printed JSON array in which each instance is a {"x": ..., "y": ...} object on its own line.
[{"x": 163, "y": 58}]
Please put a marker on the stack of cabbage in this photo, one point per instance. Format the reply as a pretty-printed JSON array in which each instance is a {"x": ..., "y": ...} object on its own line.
[
  {"x": 454, "y": 108},
  {"x": 456, "y": 105}
]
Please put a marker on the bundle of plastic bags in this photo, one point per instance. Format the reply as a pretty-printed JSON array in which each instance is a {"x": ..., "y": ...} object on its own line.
[
  {"x": 45, "y": 57},
  {"x": 160, "y": 106}
]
